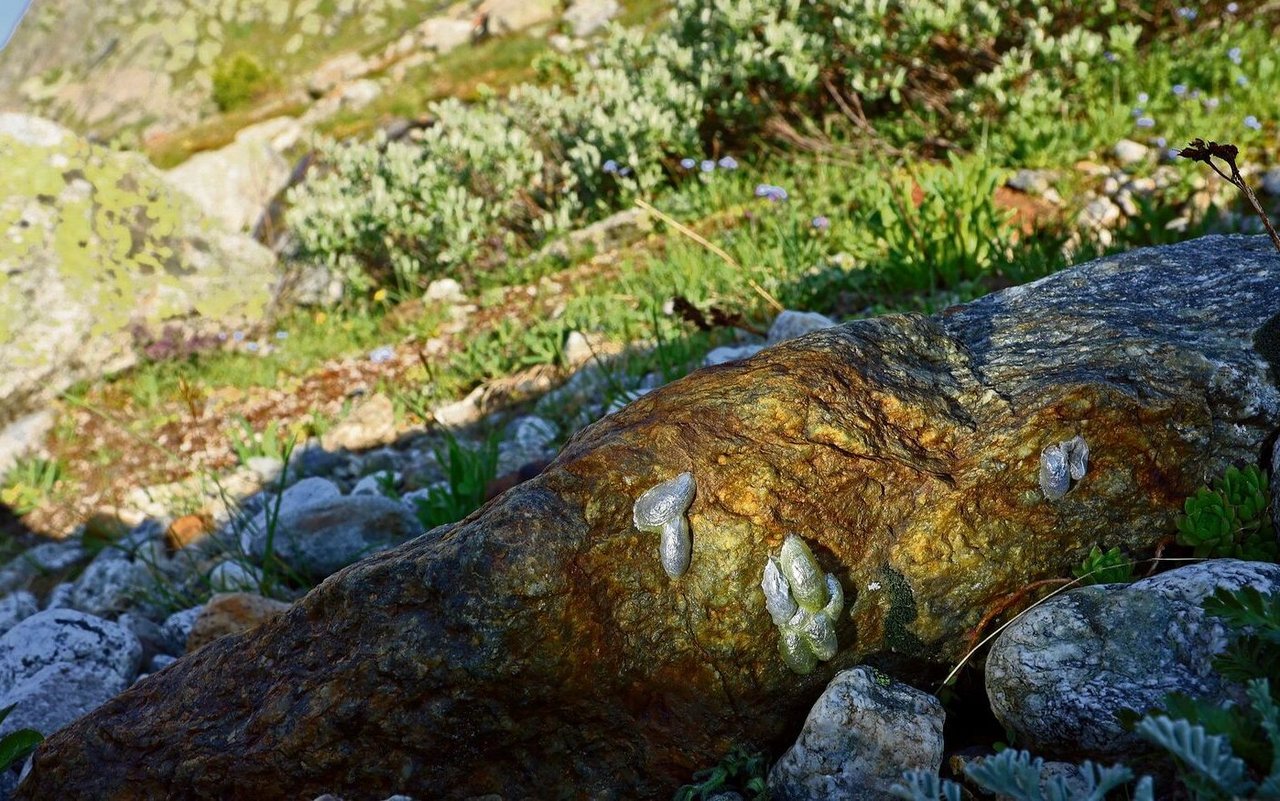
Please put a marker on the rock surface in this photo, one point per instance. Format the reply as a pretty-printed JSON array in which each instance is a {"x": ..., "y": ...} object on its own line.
[
  {"x": 92, "y": 244},
  {"x": 322, "y": 537},
  {"x": 538, "y": 643},
  {"x": 58, "y": 664},
  {"x": 865, "y": 731},
  {"x": 1057, "y": 675}
]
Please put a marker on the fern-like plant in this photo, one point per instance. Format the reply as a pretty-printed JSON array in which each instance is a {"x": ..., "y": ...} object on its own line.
[{"x": 1016, "y": 775}]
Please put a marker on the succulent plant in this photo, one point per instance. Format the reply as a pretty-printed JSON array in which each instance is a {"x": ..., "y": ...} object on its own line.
[
  {"x": 1208, "y": 525},
  {"x": 1246, "y": 491},
  {"x": 804, "y": 604},
  {"x": 1105, "y": 567},
  {"x": 661, "y": 510},
  {"x": 1230, "y": 520}
]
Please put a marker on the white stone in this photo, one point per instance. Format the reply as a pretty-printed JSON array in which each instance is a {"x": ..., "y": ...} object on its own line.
[
  {"x": 57, "y": 636},
  {"x": 22, "y": 436},
  {"x": 16, "y": 607},
  {"x": 1129, "y": 152},
  {"x": 232, "y": 576},
  {"x": 177, "y": 627},
  {"x": 445, "y": 290},
  {"x": 864, "y": 732},
  {"x": 585, "y": 17},
  {"x": 31, "y": 130},
  {"x": 442, "y": 34},
  {"x": 373, "y": 483},
  {"x": 235, "y": 183},
  {"x": 110, "y": 583},
  {"x": 730, "y": 353},
  {"x": 791, "y": 324}
]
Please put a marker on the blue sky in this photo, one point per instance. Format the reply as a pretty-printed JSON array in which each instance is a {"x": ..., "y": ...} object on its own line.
[{"x": 10, "y": 13}]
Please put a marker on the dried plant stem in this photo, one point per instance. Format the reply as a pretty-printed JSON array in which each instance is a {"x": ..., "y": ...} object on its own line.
[
  {"x": 1067, "y": 584},
  {"x": 1239, "y": 182},
  {"x": 729, "y": 260}
]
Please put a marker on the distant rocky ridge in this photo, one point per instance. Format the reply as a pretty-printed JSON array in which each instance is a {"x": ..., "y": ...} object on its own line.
[
  {"x": 540, "y": 643},
  {"x": 106, "y": 67}
]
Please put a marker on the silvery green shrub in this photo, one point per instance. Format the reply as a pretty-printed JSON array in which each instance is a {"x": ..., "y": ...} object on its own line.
[{"x": 500, "y": 176}]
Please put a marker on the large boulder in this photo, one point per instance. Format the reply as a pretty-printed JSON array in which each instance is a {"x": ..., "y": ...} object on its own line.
[
  {"x": 94, "y": 244},
  {"x": 235, "y": 183},
  {"x": 541, "y": 644}
]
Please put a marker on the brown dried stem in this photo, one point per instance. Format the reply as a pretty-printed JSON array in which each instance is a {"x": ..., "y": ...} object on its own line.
[{"x": 1200, "y": 150}]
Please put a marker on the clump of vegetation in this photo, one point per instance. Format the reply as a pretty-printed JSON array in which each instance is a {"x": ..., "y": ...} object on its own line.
[
  {"x": 468, "y": 473},
  {"x": 1231, "y": 519},
  {"x": 1105, "y": 567},
  {"x": 239, "y": 79},
  {"x": 740, "y": 771},
  {"x": 29, "y": 483},
  {"x": 496, "y": 178}
]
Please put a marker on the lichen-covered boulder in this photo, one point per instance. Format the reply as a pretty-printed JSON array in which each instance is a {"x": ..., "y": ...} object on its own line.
[
  {"x": 540, "y": 643},
  {"x": 1059, "y": 674},
  {"x": 93, "y": 242},
  {"x": 864, "y": 732},
  {"x": 58, "y": 664}
]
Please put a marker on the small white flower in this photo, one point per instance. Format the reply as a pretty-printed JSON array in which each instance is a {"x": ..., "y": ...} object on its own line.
[{"x": 873, "y": 586}]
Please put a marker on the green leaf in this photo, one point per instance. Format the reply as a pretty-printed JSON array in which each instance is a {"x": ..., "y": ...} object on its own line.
[{"x": 15, "y": 745}]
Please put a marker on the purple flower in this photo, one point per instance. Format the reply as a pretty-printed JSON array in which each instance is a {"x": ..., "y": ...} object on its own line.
[
  {"x": 1160, "y": 141},
  {"x": 238, "y": 336},
  {"x": 1242, "y": 81},
  {"x": 1143, "y": 97},
  {"x": 222, "y": 336},
  {"x": 252, "y": 347},
  {"x": 610, "y": 166},
  {"x": 1110, "y": 57},
  {"x": 1187, "y": 13},
  {"x": 728, "y": 163},
  {"x": 1251, "y": 122},
  {"x": 624, "y": 172},
  {"x": 1146, "y": 122},
  {"x": 821, "y": 223},
  {"x": 688, "y": 164},
  {"x": 1179, "y": 89},
  {"x": 770, "y": 192},
  {"x": 1234, "y": 54},
  {"x": 707, "y": 166},
  {"x": 282, "y": 335},
  {"x": 1233, "y": 8},
  {"x": 1211, "y": 103},
  {"x": 382, "y": 354},
  {"x": 1138, "y": 111}
]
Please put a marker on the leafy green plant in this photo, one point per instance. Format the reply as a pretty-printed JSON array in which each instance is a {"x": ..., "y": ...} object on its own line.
[
  {"x": 1016, "y": 775},
  {"x": 16, "y": 745},
  {"x": 1230, "y": 749},
  {"x": 30, "y": 483},
  {"x": 249, "y": 444},
  {"x": 955, "y": 232},
  {"x": 741, "y": 770},
  {"x": 237, "y": 80},
  {"x": 468, "y": 472},
  {"x": 1231, "y": 519},
  {"x": 1109, "y": 567}
]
